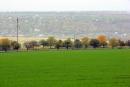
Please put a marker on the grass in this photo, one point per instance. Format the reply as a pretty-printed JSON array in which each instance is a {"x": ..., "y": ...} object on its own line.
[{"x": 82, "y": 68}]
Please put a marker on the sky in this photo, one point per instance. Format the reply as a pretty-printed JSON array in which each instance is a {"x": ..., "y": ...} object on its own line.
[{"x": 64, "y": 5}]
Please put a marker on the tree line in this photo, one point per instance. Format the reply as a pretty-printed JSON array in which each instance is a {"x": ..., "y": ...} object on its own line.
[{"x": 52, "y": 43}]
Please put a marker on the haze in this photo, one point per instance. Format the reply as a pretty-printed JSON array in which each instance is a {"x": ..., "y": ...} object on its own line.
[{"x": 64, "y": 5}]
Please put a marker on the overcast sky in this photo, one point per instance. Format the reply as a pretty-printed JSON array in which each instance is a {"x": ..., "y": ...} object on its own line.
[{"x": 64, "y": 5}]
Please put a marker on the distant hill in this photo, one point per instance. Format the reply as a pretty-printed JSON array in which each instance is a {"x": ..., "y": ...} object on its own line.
[{"x": 66, "y": 24}]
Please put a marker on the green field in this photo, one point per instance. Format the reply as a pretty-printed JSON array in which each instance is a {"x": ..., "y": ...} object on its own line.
[{"x": 81, "y": 68}]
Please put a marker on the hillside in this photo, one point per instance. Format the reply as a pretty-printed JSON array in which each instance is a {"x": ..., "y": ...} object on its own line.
[{"x": 66, "y": 24}]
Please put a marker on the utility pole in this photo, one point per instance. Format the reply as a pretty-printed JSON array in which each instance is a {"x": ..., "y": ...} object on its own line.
[
  {"x": 74, "y": 41},
  {"x": 17, "y": 29},
  {"x": 74, "y": 36}
]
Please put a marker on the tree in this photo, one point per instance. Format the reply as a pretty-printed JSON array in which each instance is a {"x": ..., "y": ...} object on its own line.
[
  {"x": 51, "y": 41},
  {"x": 94, "y": 43},
  {"x": 28, "y": 45},
  {"x": 121, "y": 43},
  {"x": 103, "y": 40},
  {"x": 85, "y": 41},
  {"x": 5, "y": 44},
  {"x": 15, "y": 45},
  {"x": 113, "y": 42},
  {"x": 59, "y": 44},
  {"x": 128, "y": 43},
  {"x": 77, "y": 43},
  {"x": 34, "y": 44},
  {"x": 43, "y": 43},
  {"x": 67, "y": 43}
]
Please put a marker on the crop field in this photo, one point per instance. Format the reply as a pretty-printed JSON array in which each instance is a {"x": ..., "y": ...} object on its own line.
[{"x": 77, "y": 68}]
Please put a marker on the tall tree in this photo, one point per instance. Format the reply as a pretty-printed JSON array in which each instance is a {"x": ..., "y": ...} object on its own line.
[
  {"x": 51, "y": 41},
  {"x": 5, "y": 44},
  {"x": 113, "y": 42},
  {"x": 103, "y": 40},
  {"x": 15, "y": 45},
  {"x": 28, "y": 45},
  {"x": 85, "y": 41},
  {"x": 34, "y": 43},
  {"x": 67, "y": 43},
  {"x": 77, "y": 43},
  {"x": 121, "y": 43},
  {"x": 95, "y": 43},
  {"x": 31, "y": 44},
  {"x": 128, "y": 43},
  {"x": 43, "y": 43},
  {"x": 59, "y": 44}
]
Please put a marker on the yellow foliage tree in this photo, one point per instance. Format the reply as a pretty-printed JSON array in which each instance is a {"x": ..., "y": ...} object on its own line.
[
  {"x": 85, "y": 41},
  {"x": 113, "y": 42},
  {"x": 5, "y": 42},
  {"x": 102, "y": 39}
]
